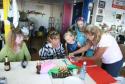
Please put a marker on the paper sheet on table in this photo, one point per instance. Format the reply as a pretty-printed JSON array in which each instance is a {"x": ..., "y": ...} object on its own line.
[{"x": 46, "y": 66}]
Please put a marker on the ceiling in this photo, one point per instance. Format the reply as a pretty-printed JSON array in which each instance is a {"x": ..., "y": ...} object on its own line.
[
  {"x": 53, "y": 1},
  {"x": 47, "y": 1},
  {"x": 50, "y": 1}
]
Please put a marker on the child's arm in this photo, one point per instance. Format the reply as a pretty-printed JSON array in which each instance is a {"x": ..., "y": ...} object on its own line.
[
  {"x": 63, "y": 50},
  {"x": 83, "y": 49},
  {"x": 66, "y": 50},
  {"x": 79, "y": 46},
  {"x": 43, "y": 52},
  {"x": 26, "y": 52}
]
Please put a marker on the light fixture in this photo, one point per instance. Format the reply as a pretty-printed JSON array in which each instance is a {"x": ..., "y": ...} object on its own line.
[
  {"x": 90, "y": 6},
  {"x": 74, "y": 2}
]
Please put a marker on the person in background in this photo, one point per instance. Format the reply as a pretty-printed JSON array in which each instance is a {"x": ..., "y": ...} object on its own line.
[
  {"x": 80, "y": 37},
  {"x": 106, "y": 49},
  {"x": 71, "y": 43},
  {"x": 15, "y": 48},
  {"x": 53, "y": 48}
]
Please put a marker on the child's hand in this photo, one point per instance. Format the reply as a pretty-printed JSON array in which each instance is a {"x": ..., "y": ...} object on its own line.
[
  {"x": 72, "y": 58},
  {"x": 71, "y": 55}
]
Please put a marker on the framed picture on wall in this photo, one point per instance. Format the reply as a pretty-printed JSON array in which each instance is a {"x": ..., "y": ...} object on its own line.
[
  {"x": 99, "y": 18},
  {"x": 119, "y": 28},
  {"x": 101, "y": 4},
  {"x": 113, "y": 27},
  {"x": 118, "y": 16},
  {"x": 100, "y": 11},
  {"x": 119, "y": 4}
]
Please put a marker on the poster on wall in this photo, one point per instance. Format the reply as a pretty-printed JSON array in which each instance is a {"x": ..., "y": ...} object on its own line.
[
  {"x": 101, "y": 4},
  {"x": 119, "y": 4},
  {"x": 100, "y": 11},
  {"x": 99, "y": 18},
  {"x": 118, "y": 16}
]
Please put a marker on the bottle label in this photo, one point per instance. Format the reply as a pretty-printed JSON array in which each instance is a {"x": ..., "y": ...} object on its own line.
[{"x": 7, "y": 67}]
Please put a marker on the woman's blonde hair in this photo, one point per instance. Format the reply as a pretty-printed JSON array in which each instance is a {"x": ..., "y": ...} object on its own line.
[
  {"x": 95, "y": 31},
  {"x": 12, "y": 36}
]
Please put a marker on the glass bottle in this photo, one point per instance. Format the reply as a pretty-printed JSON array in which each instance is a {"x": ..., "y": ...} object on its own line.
[
  {"x": 83, "y": 71},
  {"x": 7, "y": 64},
  {"x": 38, "y": 67},
  {"x": 24, "y": 62}
]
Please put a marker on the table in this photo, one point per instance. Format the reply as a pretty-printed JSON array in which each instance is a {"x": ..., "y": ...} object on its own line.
[
  {"x": 97, "y": 73},
  {"x": 19, "y": 75}
]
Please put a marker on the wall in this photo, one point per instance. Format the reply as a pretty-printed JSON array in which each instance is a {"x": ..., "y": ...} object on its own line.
[
  {"x": 109, "y": 14},
  {"x": 95, "y": 8},
  {"x": 57, "y": 12},
  {"x": 67, "y": 14},
  {"x": 49, "y": 10},
  {"x": 1, "y": 14}
]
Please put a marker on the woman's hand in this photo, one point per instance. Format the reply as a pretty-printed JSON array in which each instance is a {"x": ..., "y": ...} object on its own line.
[
  {"x": 72, "y": 58},
  {"x": 79, "y": 58}
]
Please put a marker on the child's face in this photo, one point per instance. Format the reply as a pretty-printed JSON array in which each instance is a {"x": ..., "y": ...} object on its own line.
[
  {"x": 80, "y": 24},
  {"x": 69, "y": 38},
  {"x": 19, "y": 39},
  {"x": 90, "y": 37},
  {"x": 55, "y": 42}
]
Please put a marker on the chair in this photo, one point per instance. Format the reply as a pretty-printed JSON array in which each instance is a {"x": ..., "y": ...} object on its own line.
[{"x": 42, "y": 31}]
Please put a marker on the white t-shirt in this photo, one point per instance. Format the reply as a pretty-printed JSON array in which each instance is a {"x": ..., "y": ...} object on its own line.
[{"x": 113, "y": 52}]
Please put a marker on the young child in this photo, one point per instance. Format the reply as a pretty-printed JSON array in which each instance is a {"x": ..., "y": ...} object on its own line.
[
  {"x": 53, "y": 47},
  {"x": 71, "y": 43},
  {"x": 80, "y": 37}
]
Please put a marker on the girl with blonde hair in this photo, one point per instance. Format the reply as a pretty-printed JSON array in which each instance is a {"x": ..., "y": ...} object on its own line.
[
  {"x": 15, "y": 48},
  {"x": 71, "y": 43},
  {"x": 79, "y": 27},
  {"x": 106, "y": 49}
]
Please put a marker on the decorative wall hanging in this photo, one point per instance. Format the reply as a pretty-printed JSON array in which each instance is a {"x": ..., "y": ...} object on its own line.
[
  {"x": 118, "y": 16},
  {"x": 113, "y": 27},
  {"x": 35, "y": 12},
  {"x": 120, "y": 4},
  {"x": 99, "y": 18},
  {"x": 100, "y": 11},
  {"x": 119, "y": 28}
]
